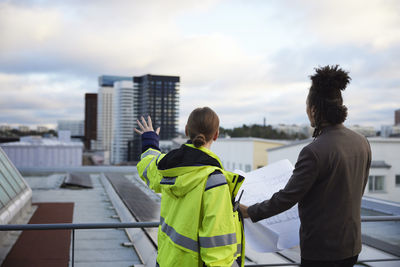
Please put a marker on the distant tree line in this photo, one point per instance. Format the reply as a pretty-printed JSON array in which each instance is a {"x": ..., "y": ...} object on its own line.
[
  {"x": 260, "y": 131},
  {"x": 18, "y": 133}
]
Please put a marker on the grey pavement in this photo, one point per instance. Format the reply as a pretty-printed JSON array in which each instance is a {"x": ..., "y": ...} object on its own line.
[{"x": 97, "y": 247}]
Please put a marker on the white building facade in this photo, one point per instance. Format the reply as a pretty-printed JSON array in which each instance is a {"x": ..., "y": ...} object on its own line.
[
  {"x": 24, "y": 128},
  {"x": 390, "y": 130},
  {"x": 368, "y": 131},
  {"x": 104, "y": 117},
  {"x": 5, "y": 127},
  {"x": 123, "y": 120},
  {"x": 34, "y": 151},
  {"x": 384, "y": 175},
  {"x": 245, "y": 153},
  {"x": 76, "y": 127},
  {"x": 42, "y": 129}
]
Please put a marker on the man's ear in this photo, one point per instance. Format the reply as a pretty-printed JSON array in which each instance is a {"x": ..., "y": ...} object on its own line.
[
  {"x": 215, "y": 137},
  {"x": 186, "y": 131},
  {"x": 313, "y": 111}
]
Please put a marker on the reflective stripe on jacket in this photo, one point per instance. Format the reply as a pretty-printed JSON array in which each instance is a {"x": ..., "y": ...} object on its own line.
[{"x": 198, "y": 224}]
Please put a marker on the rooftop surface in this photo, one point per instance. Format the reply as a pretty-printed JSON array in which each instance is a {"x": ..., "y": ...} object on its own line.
[
  {"x": 97, "y": 247},
  {"x": 103, "y": 203}
]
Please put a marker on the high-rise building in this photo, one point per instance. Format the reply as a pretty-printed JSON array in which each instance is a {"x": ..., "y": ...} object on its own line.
[
  {"x": 104, "y": 109},
  {"x": 123, "y": 119},
  {"x": 158, "y": 96},
  {"x": 397, "y": 117},
  {"x": 154, "y": 95},
  {"x": 104, "y": 117},
  {"x": 90, "y": 119}
]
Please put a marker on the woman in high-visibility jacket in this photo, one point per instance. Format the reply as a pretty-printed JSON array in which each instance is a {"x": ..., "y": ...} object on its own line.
[{"x": 200, "y": 223}]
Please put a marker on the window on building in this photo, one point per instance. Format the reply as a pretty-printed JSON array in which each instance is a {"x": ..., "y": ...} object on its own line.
[
  {"x": 376, "y": 183},
  {"x": 398, "y": 180}
]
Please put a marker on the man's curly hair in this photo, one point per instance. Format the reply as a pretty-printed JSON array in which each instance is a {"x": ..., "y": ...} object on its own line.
[{"x": 325, "y": 96}]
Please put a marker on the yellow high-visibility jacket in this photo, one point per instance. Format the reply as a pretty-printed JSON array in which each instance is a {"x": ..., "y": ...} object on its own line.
[{"x": 198, "y": 224}]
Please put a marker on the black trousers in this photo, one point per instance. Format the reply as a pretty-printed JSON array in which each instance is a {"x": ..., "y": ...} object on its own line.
[{"x": 349, "y": 262}]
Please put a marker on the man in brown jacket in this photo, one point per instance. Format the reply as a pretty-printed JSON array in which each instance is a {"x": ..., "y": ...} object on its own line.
[{"x": 328, "y": 180}]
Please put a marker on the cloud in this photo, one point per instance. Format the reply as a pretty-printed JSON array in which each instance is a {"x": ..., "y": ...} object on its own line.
[
  {"x": 373, "y": 90},
  {"x": 40, "y": 99},
  {"x": 357, "y": 22},
  {"x": 93, "y": 37},
  {"x": 249, "y": 101},
  {"x": 247, "y": 61}
]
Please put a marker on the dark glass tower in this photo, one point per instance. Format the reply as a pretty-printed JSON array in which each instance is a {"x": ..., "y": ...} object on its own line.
[
  {"x": 157, "y": 96},
  {"x": 90, "y": 119},
  {"x": 397, "y": 117}
]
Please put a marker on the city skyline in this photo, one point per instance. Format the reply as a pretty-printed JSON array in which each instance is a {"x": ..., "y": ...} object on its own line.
[{"x": 245, "y": 60}]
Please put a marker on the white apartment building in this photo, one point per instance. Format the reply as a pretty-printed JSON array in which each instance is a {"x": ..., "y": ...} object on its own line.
[
  {"x": 244, "y": 153},
  {"x": 104, "y": 117},
  {"x": 368, "y": 131},
  {"x": 76, "y": 127},
  {"x": 123, "y": 120},
  {"x": 384, "y": 175},
  {"x": 24, "y": 128},
  {"x": 5, "y": 127},
  {"x": 35, "y": 151},
  {"x": 390, "y": 130},
  {"x": 42, "y": 129}
]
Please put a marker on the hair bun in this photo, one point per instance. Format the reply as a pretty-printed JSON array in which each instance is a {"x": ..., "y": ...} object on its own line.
[
  {"x": 329, "y": 79},
  {"x": 199, "y": 140}
]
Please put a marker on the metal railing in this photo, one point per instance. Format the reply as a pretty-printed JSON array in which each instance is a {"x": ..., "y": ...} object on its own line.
[{"x": 80, "y": 226}]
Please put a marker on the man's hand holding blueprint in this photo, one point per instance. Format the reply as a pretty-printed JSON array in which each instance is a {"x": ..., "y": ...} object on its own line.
[{"x": 278, "y": 232}]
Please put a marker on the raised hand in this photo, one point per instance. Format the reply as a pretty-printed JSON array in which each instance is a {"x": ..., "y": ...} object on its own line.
[{"x": 146, "y": 126}]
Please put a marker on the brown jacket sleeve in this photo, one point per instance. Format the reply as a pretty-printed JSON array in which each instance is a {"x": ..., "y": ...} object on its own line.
[
  {"x": 368, "y": 165},
  {"x": 303, "y": 177}
]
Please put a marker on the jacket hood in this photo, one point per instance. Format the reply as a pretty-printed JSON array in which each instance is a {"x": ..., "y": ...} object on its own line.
[{"x": 185, "y": 168}]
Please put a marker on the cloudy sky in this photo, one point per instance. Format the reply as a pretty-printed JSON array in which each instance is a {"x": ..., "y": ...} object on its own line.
[{"x": 245, "y": 59}]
